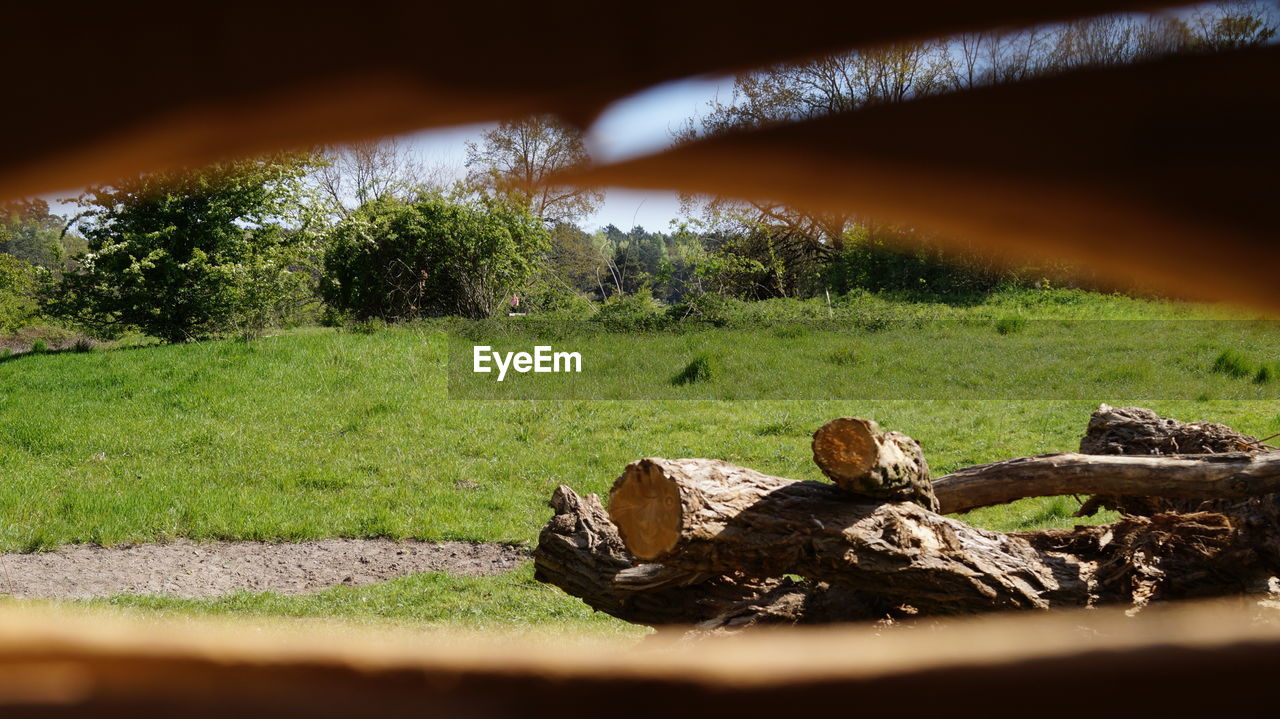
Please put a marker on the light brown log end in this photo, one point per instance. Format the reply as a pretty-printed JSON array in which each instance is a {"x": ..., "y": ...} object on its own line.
[
  {"x": 845, "y": 449},
  {"x": 645, "y": 506}
]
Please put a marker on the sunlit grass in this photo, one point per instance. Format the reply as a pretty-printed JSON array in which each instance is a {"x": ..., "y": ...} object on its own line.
[{"x": 321, "y": 433}]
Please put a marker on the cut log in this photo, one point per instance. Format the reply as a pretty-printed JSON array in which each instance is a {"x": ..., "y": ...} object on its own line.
[
  {"x": 864, "y": 460},
  {"x": 725, "y": 518},
  {"x": 1238, "y": 475},
  {"x": 704, "y": 515},
  {"x": 580, "y": 552}
]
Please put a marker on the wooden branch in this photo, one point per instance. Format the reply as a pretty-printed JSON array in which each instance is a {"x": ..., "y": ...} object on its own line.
[
  {"x": 855, "y": 454},
  {"x": 704, "y": 515},
  {"x": 1139, "y": 431},
  {"x": 1237, "y": 475}
]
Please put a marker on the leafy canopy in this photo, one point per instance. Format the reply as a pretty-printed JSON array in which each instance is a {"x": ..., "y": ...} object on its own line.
[
  {"x": 435, "y": 256},
  {"x": 186, "y": 255}
]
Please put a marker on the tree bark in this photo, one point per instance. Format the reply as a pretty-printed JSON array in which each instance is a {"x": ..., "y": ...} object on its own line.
[
  {"x": 704, "y": 515},
  {"x": 726, "y": 518},
  {"x": 1238, "y": 475},
  {"x": 1139, "y": 431},
  {"x": 864, "y": 460},
  {"x": 580, "y": 551}
]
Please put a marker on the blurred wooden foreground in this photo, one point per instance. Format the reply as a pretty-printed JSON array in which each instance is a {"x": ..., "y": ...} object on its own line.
[{"x": 1175, "y": 660}]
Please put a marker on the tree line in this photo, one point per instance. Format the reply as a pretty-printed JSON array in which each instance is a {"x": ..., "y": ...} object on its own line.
[{"x": 367, "y": 232}]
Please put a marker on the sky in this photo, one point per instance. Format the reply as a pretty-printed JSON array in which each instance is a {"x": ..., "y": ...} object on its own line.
[{"x": 636, "y": 125}]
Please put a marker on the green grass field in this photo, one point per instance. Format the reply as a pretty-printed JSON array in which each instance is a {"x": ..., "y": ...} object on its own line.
[{"x": 318, "y": 433}]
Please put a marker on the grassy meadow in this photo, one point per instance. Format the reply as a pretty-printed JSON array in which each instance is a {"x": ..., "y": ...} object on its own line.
[{"x": 319, "y": 432}]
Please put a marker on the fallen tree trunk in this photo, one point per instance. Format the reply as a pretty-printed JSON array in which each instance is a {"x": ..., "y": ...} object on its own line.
[
  {"x": 864, "y": 460},
  {"x": 700, "y": 541},
  {"x": 1237, "y": 475},
  {"x": 580, "y": 552},
  {"x": 705, "y": 515}
]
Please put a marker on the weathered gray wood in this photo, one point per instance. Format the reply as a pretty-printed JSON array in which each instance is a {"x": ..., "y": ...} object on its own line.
[
  {"x": 867, "y": 461},
  {"x": 1139, "y": 431},
  {"x": 1237, "y": 475}
]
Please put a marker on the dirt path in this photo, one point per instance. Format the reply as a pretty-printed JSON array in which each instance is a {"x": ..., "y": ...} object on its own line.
[{"x": 206, "y": 569}]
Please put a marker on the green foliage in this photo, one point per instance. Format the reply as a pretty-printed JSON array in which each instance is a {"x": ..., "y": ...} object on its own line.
[
  {"x": 187, "y": 255},
  {"x": 843, "y": 357},
  {"x": 17, "y": 286},
  {"x": 1009, "y": 324},
  {"x": 39, "y": 347},
  {"x": 706, "y": 308},
  {"x": 883, "y": 264},
  {"x": 31, "y": 233},
  {"x": 1267, "y": 372},
  {"x": 1233, "y": 364},
  {"x": 431, "y": 257},
  {"x": 698, "y": 370},
  {"x": 638, "y": 312}
]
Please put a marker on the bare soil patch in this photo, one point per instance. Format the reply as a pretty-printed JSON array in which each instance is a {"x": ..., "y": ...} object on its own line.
[{"x": 206, "y": 569}]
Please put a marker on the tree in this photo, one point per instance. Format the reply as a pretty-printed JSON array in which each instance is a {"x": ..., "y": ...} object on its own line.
[
  {"x": 1233, "y": 25},
  {"x": 17, "y": 287},
  {"x": 186, "y": 255},
  {"x": 762, "y": 248},
  {"x": 350, "y": 176},
  {"x": 434, "y": 256},
  {"x": 31, "y": 233},
  {"x": 513, "y": 160}
]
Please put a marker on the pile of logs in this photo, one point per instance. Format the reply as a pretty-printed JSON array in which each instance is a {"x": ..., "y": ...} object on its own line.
[{"x": 707, "y": 543}]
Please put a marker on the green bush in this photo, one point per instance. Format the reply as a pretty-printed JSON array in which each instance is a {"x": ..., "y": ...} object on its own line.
[
  {"x": 877, "y": 265},
  {"x": 638, "y": 312},
  {"x": 187, "y": 255},
  {"x": 395, "y": 261},
  {"x": 707, "y": 308},
  {"x": 17, "y": 287}
]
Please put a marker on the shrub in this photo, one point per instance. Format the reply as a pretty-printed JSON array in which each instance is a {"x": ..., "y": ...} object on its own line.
[
  {"x": 707, "y": 308},
  {"x": 884, "y": 264},
  {"x": 186, "y": 255},
  {"x": 394, "y": 260},
  {"x": 84, "y": 344},
  {"x": 1233, "y": 364},
  {"x": 39, "y": 347},
  {"x": 638, "y": 312},
  {"x": 17, "y": 285}
]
